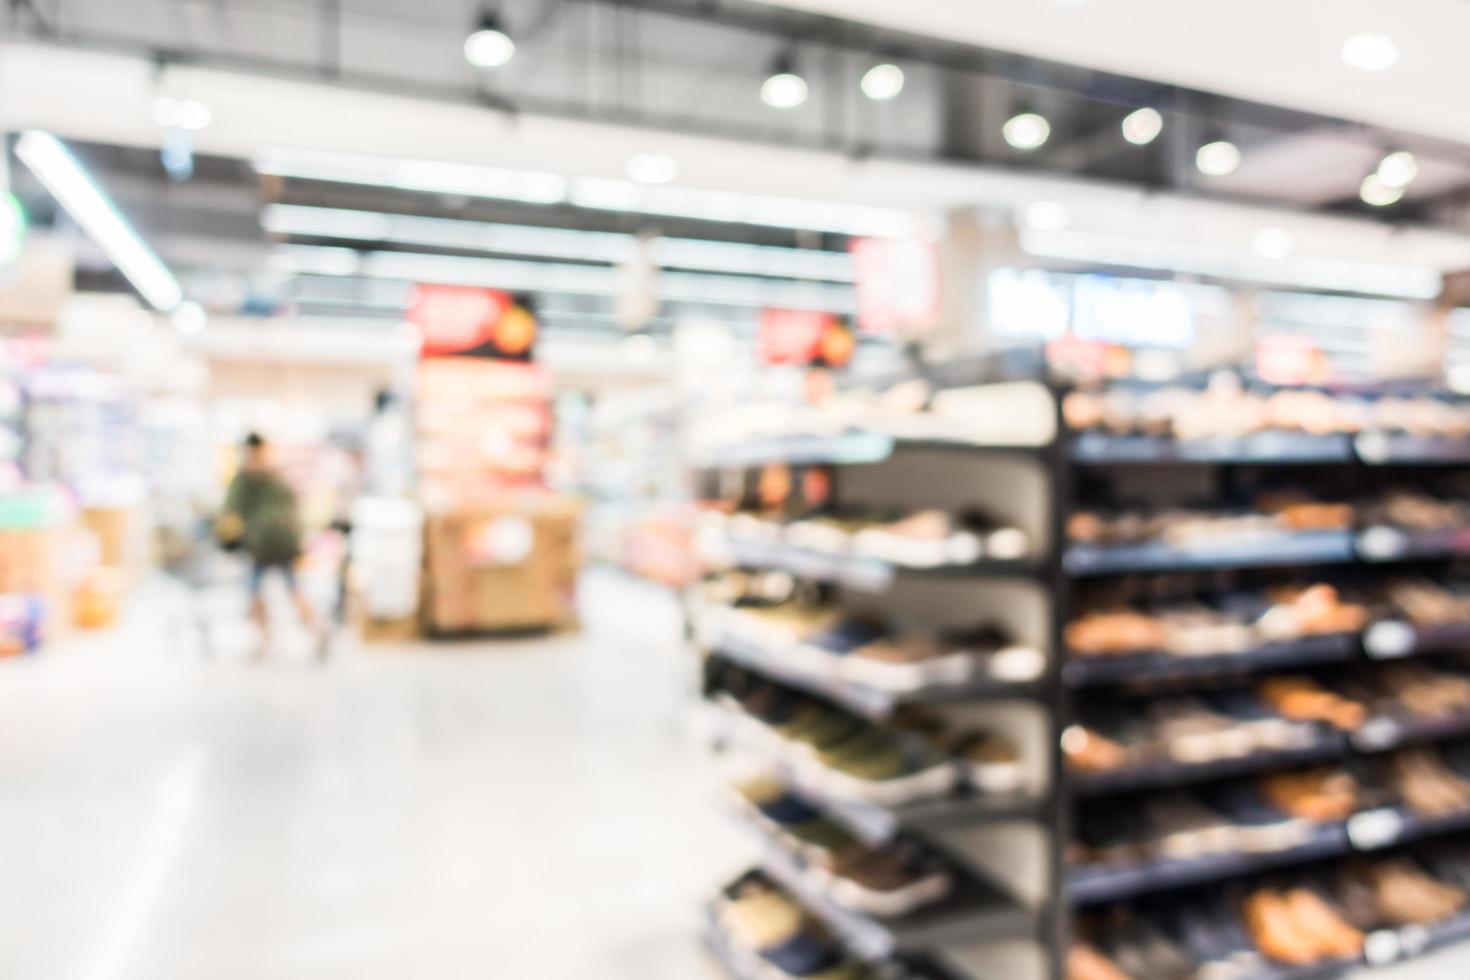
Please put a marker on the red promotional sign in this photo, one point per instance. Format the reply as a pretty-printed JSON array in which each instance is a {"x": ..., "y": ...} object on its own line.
[
  {"x": 472, "y": 321},
  {"x": 803, "y": 337},
  {"x": 897, "y": 284}
]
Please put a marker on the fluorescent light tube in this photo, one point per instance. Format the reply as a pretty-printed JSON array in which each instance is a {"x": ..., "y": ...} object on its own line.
[
  {"x": 597, "y": 193},
  {"x": 66, "y": 179},
  {"x": 554, "y": 277},
  {"x": 695, "y": 254}
]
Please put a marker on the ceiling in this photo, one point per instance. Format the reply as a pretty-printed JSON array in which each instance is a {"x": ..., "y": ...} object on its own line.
[
  {"x": 695, "y": 67},
  {"x": 1286, "y": 54},
  {"x": 596, "y": 82}
]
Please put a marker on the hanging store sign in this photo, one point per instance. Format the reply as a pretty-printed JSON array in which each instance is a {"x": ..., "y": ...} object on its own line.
[
  {"x": 804, "y": 338},
  {"x": 471, "y": 321}
]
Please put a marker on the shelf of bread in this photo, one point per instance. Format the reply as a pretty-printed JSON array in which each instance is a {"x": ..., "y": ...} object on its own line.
[
  {"x": 1227, "y": 829},
  {"x": 1327, "y": 918},
  {"x": 899, "y": 895},
  {"x": 865, "y": 663},
  {"x": 760, "y": 930},
  {"x": 924, "y": 768},
  {"x": 1227, "y": 420}
]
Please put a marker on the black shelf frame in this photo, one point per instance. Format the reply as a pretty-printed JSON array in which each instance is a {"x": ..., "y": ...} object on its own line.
[
  {"x": 1260, "y": 449},
  {"x": 1133, "y": 669},
  {"x": 1117, "y": 883},
  {"x": 1068, "y": 678},
  {"x": 1366, "y": 832},
  {"x": 1326, "y": 747}
]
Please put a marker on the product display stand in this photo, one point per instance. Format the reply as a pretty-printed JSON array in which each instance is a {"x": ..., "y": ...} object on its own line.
[{"x": 1034, "y": 473}]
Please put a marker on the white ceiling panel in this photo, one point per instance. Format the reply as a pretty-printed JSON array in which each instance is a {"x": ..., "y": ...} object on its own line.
[
  {"x": 1287, "y": 54},
  {"x": 1327, "y": 164}
]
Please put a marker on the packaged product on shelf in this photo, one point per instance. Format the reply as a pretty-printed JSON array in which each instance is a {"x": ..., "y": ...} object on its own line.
[{"x": 506, "y": 566}]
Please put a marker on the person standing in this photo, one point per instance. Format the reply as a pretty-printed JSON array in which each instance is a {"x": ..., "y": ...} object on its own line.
[{"x": 260, "y": 514}]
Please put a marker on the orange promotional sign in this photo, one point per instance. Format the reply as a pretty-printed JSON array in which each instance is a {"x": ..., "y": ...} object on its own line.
[
  {"x": 471, "y": 321},
  {"x": 804, "y": 337}
]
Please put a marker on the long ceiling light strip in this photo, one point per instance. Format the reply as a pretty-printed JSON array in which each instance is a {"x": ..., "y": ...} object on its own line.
[
  {"x": 1302, "y": 272},
  {"x": 69, "y": 182},
  {"x": 537, "y": 187},
  {"x": 729, "y": 207},
  {"x": 515, "y": 274},
  {"x": 736, "y": 258}
]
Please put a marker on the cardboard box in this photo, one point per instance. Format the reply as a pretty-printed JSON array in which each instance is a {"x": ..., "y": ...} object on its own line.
[
  {"x": 501, "y": 568},
  {"x": 121, "y": 539},
  {"x": 40, "y": 562}
]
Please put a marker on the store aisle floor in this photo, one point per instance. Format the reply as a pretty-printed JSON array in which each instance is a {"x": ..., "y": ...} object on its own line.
[{"x": 526, "y": 809}]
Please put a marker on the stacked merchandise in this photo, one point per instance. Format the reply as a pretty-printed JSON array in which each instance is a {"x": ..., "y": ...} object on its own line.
[
  {"x": 482, "y": 428},
  {"x": 39, "y": 570},
  {"x": 1267, "y": 786},
  {"x": 499, "y": 547},
  {"x": 639, "y": 516},
  {"x": 82, "y": 432},
  {"x": 1255, "y": 703}
]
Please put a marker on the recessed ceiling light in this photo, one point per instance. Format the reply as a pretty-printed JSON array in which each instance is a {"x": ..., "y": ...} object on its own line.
[
  {"x": 652, "y": 168},
  {"x": 1370, "y": 52},
  {"x": 489, "y": 46},
  {"x": 784, "y": 88},
  {"x": 1047, "y": 215},
  {"x": 1218, "y": 159},
  {"x": 1273, "y": 243},
  {"x": 1398, "y": 169},
  {"x": 1026, "y": 130},
  {"x": 1142, "y": 126},
  {"x": 1375, "y": 192},
  {"x": 883, "y": 82}
]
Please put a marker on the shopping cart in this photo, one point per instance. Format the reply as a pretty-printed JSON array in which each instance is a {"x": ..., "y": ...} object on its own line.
[{"x": 218, "y": 622}]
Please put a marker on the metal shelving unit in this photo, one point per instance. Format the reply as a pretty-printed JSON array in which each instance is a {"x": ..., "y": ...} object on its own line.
[{"x": 1058, "y": 571}]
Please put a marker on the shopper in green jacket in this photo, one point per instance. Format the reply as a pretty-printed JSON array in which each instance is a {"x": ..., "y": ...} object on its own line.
[{"x": 260, "y": 516}]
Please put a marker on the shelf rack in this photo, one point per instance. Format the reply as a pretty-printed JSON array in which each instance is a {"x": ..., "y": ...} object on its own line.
[{"x": 1065, "y": 460}]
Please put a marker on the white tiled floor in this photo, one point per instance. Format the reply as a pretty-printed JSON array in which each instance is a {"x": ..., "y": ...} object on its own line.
[{"x": 524, "y": 810}]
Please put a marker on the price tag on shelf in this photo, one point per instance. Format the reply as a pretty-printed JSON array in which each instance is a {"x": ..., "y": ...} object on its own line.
[
  {"x": 1382, "y": 947},
  {"x": 1377, "y": 734},
  {"x": 1389, "y": 640},
  {"x": 1382, "y": 544},
  {"x": 1373, "y": 447},
  {"x": 1413, "y": 940},
  {"x": 1374, "y": 830}
]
